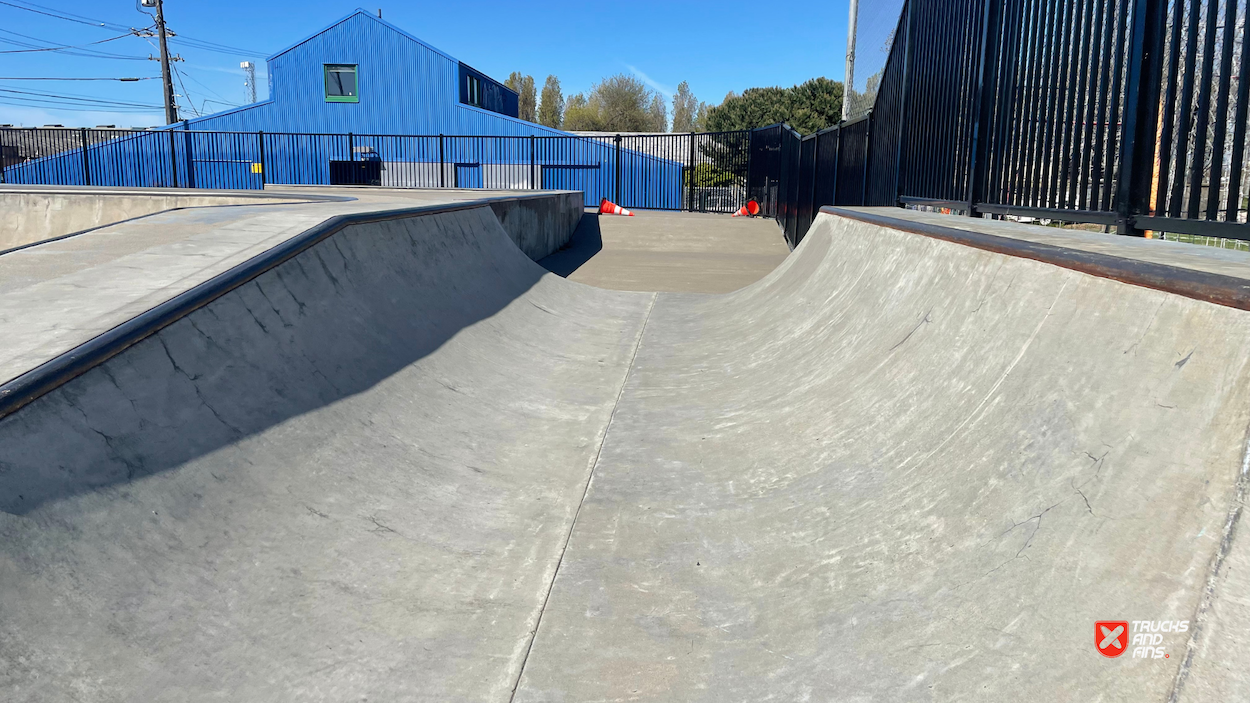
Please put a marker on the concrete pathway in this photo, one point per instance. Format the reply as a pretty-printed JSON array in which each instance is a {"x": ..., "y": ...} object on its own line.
[{"x": 684, "y": 252}]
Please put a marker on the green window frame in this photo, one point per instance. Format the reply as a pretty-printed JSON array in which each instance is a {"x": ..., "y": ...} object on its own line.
[{"x": 342, "y": 83}]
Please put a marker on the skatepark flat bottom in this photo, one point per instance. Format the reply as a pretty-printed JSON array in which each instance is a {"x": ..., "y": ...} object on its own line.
[
  {"x": 683, "y": 252},
  {"x": 409, "y": 464}
]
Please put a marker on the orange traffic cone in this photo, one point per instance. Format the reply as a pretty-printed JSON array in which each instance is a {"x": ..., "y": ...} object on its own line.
[
  {"x": 607, "y": 207},
  {"x": 751, "y": 209}
]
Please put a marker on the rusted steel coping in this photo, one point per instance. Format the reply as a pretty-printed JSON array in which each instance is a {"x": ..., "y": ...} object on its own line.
[
  {"x": 64, "y": 367},
  {"x": 1229, "y": 291}
]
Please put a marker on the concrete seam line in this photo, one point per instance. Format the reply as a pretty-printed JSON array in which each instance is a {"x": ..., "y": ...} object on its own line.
[
  {"x": 1220, "y": 289},
  {"x": 1240, "y": 492},
  {"x": 590, "y": 475},
  {"x": 50, "y": 375}
]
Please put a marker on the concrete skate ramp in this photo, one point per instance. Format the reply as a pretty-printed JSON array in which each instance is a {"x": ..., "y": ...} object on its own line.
[
  {"x": 30, "y": 214},
  {"x": 408, "y": 465}
]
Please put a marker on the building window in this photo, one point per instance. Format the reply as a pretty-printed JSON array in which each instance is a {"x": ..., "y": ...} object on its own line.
[
  {"x": 341, "y": 84},
  {"x": 473, "y": 91}
]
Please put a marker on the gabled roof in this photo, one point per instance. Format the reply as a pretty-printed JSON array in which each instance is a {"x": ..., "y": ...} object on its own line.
[{"x": 365, "y": 13}]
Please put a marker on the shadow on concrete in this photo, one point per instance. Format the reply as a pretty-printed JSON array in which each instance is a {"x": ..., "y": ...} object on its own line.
[
  {"x": 330, "y": 323},
  {"x": 586, "y": 241}
]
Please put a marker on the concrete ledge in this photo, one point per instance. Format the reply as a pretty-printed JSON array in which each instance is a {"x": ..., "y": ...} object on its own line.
[
  {"x": 1181, "y": 278},
  {"x": 32, "y": 214}
]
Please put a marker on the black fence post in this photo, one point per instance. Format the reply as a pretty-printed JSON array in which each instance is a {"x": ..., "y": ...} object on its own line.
[
  {"x": 616, "y": 185},
  {"x": 863, "y": 197},
  {"x": 902, "y": 110},
  {"x": 188, "y": 143},
  {"x": 837, "y": 166},
  {"x": 442, "y": 169},
  {"x": 263, "y": 177},
  {"x": 811, "y": 190},
  {"x": 987, "y": 73},
  {"x": 533, "y": 176},
  {"x": 173, "y": 160},
  {"x": 351, "y": 146},
  {"x": 86, "y": 162},
  {"x": 690, "y": 176},
  {"x": 1141, "y": 114}
]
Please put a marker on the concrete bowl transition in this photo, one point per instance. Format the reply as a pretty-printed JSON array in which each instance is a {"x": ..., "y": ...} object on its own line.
[{"x": 390, "y": 458}]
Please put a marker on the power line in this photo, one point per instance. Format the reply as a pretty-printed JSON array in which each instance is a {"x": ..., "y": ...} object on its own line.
[
  {"x": 58, "y": 104},
  {"x": 29, "y": 78},
  {"x": 72, "y": 108},
  {"x": 75, "y": 98},
  {"x": 88, "y": 53},
  {"x": 69, "y": 17},
  {"x": 59, "y": 48},
  {"x": 185, "y": 73},
  {"x": 186, "y": 93},
  {"x": 211, "y": 46}
]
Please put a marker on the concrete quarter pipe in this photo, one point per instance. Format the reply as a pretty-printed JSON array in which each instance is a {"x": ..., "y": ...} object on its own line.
[{"x": 408, "y": 465}]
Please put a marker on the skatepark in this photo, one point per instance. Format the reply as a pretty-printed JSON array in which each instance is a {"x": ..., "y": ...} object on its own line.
[{"x": 356, "y": 444}]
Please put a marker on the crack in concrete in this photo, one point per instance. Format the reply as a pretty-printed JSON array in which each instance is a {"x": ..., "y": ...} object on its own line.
[
  {"x": 928, "y": 317},
  {"x": 196, "y": 387},
  {"x": 273, "y": 307}
]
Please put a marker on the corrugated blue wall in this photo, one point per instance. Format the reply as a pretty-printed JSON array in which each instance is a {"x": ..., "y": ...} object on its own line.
[{"x": 406, "y": 87}]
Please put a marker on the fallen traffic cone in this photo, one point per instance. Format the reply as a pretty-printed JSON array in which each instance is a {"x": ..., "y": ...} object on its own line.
[
  {"x": 607, "y": 207},
  {"x": 751, "y": 209}
]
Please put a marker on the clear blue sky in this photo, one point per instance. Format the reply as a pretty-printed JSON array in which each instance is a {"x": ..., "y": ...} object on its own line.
[{"x": 717, "y": 46}]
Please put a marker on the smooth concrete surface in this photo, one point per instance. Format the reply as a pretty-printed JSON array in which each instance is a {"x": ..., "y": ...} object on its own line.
[
  {"x": 325, "y": 485},
  {"x": 670, "y": 251},
  {"x": 540, "y": 226},
  {"x": 410, "y": 465},
  {"x": 59, "y": 294},
  {"x": 31, "y": 214}
]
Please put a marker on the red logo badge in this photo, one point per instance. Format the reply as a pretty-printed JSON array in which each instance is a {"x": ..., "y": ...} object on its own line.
[{"x": 1111, "y": 637}]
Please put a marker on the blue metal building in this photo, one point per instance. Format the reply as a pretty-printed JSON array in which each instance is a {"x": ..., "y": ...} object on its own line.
[
  {"x": 364, "y": 102},
  {"x": 403, "y": 86}
]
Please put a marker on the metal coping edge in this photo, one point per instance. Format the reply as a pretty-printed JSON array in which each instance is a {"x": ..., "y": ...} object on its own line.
[
  {"x": 59, "y": 370},
  {"x": 1220, "y": 289}
]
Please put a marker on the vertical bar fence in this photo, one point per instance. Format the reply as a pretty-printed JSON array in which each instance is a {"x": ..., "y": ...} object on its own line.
[{"x": 1122, "y": 113}]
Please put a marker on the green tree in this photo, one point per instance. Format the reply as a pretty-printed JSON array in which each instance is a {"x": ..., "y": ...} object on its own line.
[
  {"x": 527, "y": 104},
  {"x": 620, "y": 103},
  {"x": 551, "y": 109},
  {"x": 700, "y": 118},
  {"x": 658, "y": 114},
  {"x": 810, "y": 107},
  {"x": 527, "y": 99},
  {"x": 686, "y": 109},
  {"x": 579, "y": 116}
]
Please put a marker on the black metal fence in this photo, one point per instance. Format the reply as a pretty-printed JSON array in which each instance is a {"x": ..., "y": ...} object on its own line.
[
  {"x": 1129, "y": 113},
  {"x": 704, "y": 172},
  {"x": 1126, "y": 113}
]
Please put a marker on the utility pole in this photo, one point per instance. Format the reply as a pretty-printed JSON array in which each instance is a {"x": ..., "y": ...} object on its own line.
[
  {"x": 171, "y": 108},
  {"x": 850, "y": 60}
]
